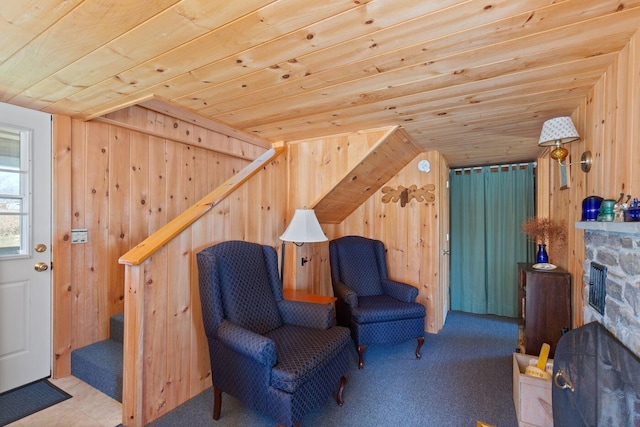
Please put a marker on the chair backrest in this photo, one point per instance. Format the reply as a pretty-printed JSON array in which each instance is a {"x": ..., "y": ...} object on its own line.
[
  {"x": 358, "y": 262},
  {"x": 239, "y": 282}
]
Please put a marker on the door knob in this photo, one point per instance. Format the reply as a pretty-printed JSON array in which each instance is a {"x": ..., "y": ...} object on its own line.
[
  {"x": 41, "y": 266},
  {"x": 446, "y": 252}
]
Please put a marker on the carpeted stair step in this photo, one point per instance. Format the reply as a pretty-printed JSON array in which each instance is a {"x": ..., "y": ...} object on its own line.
[
  {"x": 116, "y": 327},
  {"x": 100, "y": 365}
]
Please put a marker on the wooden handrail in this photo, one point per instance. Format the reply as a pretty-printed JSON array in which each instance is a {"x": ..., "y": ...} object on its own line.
[{"x": 143, "y": 250}]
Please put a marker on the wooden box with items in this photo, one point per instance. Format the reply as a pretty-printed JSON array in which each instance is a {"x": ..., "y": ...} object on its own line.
[{"x": 532, "y": 388}]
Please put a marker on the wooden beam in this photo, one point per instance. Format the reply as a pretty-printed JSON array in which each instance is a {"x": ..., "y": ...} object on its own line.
[
  {"x": 164, "y": 136},
  {"x": 388, "y": 156},
  {"x": 164, "y": 106}
]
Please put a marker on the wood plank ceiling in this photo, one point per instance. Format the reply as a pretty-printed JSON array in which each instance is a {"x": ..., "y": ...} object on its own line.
[{"x": 472, "y": 79}]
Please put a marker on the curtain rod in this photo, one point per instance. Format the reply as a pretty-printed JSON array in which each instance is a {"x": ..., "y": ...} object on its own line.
[{"x": 495, "y": 166}]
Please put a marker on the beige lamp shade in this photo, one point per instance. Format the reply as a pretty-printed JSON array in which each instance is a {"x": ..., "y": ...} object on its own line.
[
  {"x": 559, "y": 130},
  {"x": 304, "y": 228}
]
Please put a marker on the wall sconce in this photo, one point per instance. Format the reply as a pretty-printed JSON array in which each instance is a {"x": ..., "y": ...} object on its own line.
[
  {"x": 303, "y": 228},
  {"x": 558, "y": 131}
]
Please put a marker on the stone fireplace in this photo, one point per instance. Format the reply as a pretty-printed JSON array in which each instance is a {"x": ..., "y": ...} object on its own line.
[
  {"x": 617, "y": 247},
  {"x": 597, "y": 366}
]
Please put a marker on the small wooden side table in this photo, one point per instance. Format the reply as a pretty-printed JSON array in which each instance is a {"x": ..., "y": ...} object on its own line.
[{"x": 304, "y": 296}]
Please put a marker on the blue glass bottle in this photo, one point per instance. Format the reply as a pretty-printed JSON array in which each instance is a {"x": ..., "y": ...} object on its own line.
[{"x": 542, "y": 256}]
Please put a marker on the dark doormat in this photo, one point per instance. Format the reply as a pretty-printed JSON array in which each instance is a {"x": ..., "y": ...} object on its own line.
[{"x": 29, "y": 399}]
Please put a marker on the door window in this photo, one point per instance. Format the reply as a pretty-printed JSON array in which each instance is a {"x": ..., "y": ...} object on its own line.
[{"x": 14, "y": 192}]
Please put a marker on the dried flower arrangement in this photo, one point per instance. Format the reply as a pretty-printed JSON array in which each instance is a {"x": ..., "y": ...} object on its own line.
[{"x": 542, "y": 230}]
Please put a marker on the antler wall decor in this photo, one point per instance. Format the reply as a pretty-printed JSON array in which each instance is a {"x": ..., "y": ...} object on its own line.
[{"x": 404, "y": 194}]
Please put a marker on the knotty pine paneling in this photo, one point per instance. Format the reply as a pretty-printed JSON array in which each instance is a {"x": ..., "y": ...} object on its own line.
[
  {"x": 390, "y": 153},
  {"x": 315, "y": 166},
  {"x": 122, "y": 185},
  {"x": 119, "y": 211},
  {"x": 411, "y": 234},
  {"x": 167, "y": 298},
  {"x": 609, "y": 125},
  {"x": 76, "y": 262},
  {"x": 62, "y": 275}
]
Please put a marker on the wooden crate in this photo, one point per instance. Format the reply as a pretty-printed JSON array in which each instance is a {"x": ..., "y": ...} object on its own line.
[{"x": 531, "y": 395}]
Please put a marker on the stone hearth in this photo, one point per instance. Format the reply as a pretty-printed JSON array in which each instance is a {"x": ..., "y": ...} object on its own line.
[
  {"x": 616, "y": 246},
  {"x": 614, "y": 372}
]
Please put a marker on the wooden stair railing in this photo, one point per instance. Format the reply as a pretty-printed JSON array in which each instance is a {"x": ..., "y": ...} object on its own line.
[
  {"x": 147, "y": 375},
  {"x": 148, "y": 246}
]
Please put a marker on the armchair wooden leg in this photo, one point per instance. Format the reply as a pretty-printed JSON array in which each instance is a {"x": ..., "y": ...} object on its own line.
[
  {"x": 217, "y": 403},
  {"x": 420, "y": 342},
  {"x": 361, "y": 349},
  {"x": 343, "y": 382}
]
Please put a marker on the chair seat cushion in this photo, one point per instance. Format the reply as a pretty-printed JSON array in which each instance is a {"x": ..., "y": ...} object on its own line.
[
  {"x": 384, "y": 308},
  {"x": 301, "y": 350}
]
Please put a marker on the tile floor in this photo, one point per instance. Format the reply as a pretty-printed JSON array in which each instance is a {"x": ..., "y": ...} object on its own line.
[{"x": 87, "y": 408}]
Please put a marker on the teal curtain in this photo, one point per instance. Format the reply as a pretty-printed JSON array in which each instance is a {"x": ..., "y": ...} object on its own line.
[{"x": 488, "y": 207}]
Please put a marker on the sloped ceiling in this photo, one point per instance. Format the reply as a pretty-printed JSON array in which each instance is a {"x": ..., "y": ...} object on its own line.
[{"x": 472, "y": 79}]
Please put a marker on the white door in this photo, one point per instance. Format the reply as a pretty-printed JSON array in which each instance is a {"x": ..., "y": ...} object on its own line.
[{"x": 25, "y": 246}]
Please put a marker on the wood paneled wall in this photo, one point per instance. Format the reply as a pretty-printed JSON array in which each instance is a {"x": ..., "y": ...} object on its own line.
[
  {"x": 121, "y": 185},
  {"x": 609, "y": 124},
  {"x": 315, "y": 166},
  {"x": 411, "y": 234},
  {"x": 166, "y": 350}
]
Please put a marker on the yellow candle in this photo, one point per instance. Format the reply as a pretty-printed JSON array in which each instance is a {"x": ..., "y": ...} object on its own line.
[{"x": 542, "y": 359}]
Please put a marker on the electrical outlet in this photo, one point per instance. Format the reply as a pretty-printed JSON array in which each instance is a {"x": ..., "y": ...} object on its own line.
[{"x": 79, "y": 235}]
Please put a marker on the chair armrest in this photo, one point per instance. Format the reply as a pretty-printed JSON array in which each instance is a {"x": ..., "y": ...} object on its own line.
[
  {"x": 248, "y": 343},
  {"x": 311, "y": 315},
  {"x": 346, "y": 294},
  {"x": 398, "y": 290}
]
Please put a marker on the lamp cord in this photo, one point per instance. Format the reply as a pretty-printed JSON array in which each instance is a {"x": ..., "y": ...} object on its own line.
[{"x": 282, "y": 264}]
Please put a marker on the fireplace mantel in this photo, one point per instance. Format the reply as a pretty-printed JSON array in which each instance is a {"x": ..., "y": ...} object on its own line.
[{"x": 610, "y": 227}]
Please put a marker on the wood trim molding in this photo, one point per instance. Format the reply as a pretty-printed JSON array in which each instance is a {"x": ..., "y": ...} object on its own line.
[
  {"x": 163, "y": 106},
  {"x": 61, "y": 246},
  {"x": 163, "y": 136}
]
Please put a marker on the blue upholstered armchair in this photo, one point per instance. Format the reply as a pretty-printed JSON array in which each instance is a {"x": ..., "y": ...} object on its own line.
[
  {"x": 280, "y": 357},
  {"x": 375, "y": 308}
]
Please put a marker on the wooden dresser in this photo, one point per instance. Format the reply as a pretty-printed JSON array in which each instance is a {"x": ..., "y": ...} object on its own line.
[{"x": 544, "y": 307}]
